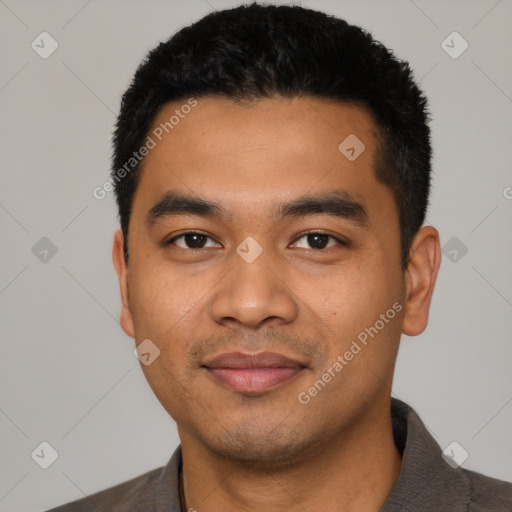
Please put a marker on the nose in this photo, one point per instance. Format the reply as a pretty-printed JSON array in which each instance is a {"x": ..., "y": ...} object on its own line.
[{"x": 254, "y": 294}]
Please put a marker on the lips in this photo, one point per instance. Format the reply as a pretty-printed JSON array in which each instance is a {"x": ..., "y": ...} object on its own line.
[{"x": 253, "y": 373}]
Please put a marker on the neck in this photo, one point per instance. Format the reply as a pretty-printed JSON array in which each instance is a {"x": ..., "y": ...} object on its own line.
[{"x": 351, "y": 471}]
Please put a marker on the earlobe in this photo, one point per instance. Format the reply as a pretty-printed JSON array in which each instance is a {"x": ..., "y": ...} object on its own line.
[
  {"x": 420, "y": 279},
  {"x": 118, "y": 258}
]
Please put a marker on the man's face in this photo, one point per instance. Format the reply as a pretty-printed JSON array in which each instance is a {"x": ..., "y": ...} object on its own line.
[{"x": 265, "y": 270}]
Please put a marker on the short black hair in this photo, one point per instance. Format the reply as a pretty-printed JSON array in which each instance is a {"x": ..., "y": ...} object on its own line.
[{"x": 259, "y": 51}]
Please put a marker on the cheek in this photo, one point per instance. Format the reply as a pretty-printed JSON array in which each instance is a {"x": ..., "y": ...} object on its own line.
[
  {"x": 161, "y": 300},
  {"x": 164, "y": 305},
  {"x": 348, "y": 306},
  {"x": 170, "y": 307}
]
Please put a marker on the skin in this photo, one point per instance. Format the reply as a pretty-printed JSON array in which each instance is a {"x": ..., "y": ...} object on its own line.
[{"x": 268, "y": 451}]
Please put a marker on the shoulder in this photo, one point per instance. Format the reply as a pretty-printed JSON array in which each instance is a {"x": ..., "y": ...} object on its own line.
[
  {"x": 428, "y": 481},
  {"x": 489, "y": 494},
  {"x": 135, "y": 494}
]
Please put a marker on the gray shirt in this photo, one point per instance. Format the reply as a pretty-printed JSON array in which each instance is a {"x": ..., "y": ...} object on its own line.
[{"x": 426, "y": 481}]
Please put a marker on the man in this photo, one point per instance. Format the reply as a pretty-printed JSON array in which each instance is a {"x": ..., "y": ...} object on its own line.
[{"x": 272, "y": 172}]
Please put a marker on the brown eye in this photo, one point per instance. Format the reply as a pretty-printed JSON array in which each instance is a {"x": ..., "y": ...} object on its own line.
[
  {"x": 192, "y": 241},
  {"x": 317, "y": 241}
]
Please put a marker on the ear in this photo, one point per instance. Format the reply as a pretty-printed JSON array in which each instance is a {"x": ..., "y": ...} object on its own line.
[
  {"x": 420, "y": 279},
  {"x": 122, "y": 274}
]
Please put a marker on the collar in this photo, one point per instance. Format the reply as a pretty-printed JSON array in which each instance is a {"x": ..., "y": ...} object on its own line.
[{"x": 425, "y": 479}]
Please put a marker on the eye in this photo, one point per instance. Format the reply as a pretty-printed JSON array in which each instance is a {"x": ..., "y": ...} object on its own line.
[
  {"x": 317, "y": 241},
  {"x": 192, "y": 241}
]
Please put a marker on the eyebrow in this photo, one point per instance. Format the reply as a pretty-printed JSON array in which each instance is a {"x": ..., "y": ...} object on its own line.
[
  {"x": 177, "y": 203},
  {"x": 338, "y": 203}
]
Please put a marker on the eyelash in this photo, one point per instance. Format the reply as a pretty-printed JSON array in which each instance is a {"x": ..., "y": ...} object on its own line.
[{"x": 330, "y": 237}]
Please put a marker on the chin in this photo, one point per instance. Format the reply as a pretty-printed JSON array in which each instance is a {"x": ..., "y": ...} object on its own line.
[
  {"x": 263, "y": 447},
  {"x": 257, "y": 455}
]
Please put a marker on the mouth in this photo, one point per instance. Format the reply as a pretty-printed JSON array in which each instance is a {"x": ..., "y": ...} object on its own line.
[{"x": 253, "y": 373}]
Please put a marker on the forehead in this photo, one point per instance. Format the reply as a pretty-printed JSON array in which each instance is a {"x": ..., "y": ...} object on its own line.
[{"x": 254, "y": 156}]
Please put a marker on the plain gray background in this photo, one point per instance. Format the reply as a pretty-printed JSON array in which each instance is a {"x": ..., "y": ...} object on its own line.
[{"x": 68, "y": 375}]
